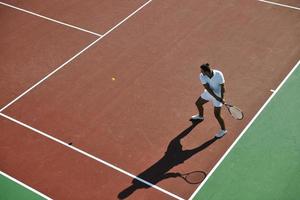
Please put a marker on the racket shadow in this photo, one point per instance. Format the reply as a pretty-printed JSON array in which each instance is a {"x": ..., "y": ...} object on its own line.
[
  {"x": 174, "y": 156},
  {"x": 194, "y": 177}
]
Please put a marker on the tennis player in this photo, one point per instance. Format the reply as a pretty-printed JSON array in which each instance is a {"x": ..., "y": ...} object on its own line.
[{"x": 213, "y": 82}]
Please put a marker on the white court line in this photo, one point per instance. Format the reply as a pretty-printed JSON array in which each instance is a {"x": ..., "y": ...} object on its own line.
[
  {"x": 121, "y": 22},
  {"x": 47, "y": 18},
  {"x": 90, "y": 156},
  {"x": 244, "y": 131},
  {"x": 78, "y": 54},
  {"x": 24, "y": 185},
  {"x": 279, "y": 4},
  {"x": 50, "y": 74},
  {"x": 72, "y": 147}
]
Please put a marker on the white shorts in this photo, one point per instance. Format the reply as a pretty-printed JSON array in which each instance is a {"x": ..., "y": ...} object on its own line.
[{"x": 208, "y": 97}]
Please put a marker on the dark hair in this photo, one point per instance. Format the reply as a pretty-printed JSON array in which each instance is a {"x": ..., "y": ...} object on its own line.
[{"x": 205, "y": 67}]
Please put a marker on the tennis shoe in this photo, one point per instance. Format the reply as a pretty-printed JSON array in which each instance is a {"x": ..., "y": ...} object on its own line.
[
  {"x": 221, "y": 133},
  {"x": 197, "y": 117}
]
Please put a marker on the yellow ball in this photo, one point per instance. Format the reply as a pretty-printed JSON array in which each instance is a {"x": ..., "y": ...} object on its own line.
[{"x": 113, "y": 78}]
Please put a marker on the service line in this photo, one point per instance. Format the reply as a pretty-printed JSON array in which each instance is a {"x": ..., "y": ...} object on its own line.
[
  {"x": 65, "y": 144},
  {"x": 279, "y": 4},
  {"x": 50, "y": 19},
  {"x": 71, "y": 59}
]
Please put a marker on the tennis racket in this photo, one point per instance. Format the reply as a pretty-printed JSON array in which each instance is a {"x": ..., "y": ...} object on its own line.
[
  {"x": 195, "y": 177},
  {"x": 234, "y": 111}
]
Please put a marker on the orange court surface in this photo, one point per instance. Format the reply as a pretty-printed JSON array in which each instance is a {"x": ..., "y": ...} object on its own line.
[{"x": 96, "y": 96}]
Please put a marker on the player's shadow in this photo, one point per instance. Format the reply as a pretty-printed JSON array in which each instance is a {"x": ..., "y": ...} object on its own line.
[{"x": 174, "y": 156}]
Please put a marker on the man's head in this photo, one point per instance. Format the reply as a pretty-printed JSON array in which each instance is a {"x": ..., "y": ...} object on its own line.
[{"x": 205, "y": 69}]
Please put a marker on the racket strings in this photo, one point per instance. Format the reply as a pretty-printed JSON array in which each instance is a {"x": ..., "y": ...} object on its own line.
[{"x": 236, "y": 113}]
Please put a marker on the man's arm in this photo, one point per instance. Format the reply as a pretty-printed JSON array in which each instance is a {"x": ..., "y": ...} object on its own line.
[
  {"x": 209, "y": 90},
  {"x": 222, "y": 92}
]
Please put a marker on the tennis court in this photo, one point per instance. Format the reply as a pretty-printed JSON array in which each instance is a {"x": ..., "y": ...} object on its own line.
[
  {"x": 97, "y": 96},
  {"x": 13, "y": 189},
  {"x": 265, "y": 162}
]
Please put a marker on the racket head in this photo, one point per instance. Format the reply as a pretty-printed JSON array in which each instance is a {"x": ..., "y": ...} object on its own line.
[
  {"x": 194, "y": 177},
  {"x": 235, "y": 112}
]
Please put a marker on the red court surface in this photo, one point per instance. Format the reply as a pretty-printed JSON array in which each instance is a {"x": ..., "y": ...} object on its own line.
[
  {"x": 31, "y": 48},
  {"x": 98, "y": 16},
  {"x": 295, "y": 3},
  {"x": 132, "y": 121},
  {"x": 58, "y": 171}
]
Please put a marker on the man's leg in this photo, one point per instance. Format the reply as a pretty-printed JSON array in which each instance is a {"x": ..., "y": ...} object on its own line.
[
  {"x": 217, "y": 111},
  {"x": 199, "y": 103}
]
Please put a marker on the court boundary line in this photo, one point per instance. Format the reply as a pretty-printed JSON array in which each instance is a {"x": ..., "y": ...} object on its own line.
[
  {"x": 72, "y": 58},
  {"x": 279, "y": 4},
  {"x": 244, "y": 130},
  {"x": 72, "y": 147},
  {"x": 47, "y": 76},
  {"x": 98, "y": 159},
  {"x": 89, "y": 155},
  {"x": 49, "y": 19},
  {"x": 24, "y": 185}
]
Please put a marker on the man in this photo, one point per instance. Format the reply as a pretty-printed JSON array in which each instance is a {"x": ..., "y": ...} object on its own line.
[{"x": 213, "y": 82}]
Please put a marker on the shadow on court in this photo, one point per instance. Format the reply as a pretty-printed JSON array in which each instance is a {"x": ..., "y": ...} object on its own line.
[{"x": 173, "y": 157}]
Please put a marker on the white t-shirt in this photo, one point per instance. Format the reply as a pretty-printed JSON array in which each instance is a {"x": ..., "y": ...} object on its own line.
[{"x": 213, "y": 82}]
